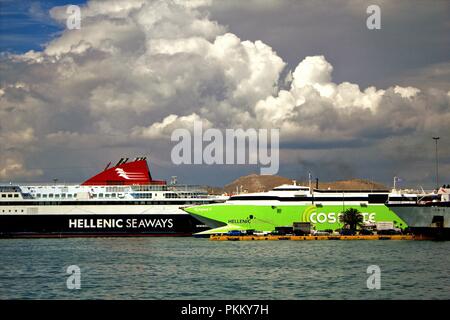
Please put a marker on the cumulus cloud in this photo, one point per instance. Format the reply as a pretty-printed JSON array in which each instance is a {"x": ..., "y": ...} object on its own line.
[
  {"x": 164, "y": 129},
  {"x": 137, "y": 70},
  {"x": 317, "y": 110},
  {"x": 13, "y": 168}
]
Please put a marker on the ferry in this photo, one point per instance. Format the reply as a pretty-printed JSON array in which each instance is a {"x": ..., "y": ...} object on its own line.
[
  {"x": 286, "y": 205},
  {"x": 427, "y": 215},
  {"x": 123, "y": 200}
]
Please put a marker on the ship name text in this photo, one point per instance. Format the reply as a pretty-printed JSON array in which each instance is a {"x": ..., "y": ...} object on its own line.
[{"x": 120, "y": 223}]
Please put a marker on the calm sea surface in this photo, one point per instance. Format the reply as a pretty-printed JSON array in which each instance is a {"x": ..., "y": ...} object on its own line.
[{"x": 188, "y": 268}]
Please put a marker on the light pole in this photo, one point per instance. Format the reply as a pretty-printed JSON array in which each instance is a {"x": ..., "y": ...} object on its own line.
[{"x": 437, "y": 168}]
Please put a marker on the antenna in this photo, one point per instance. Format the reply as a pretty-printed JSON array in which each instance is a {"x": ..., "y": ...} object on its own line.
[
  {"x": 437, "y": 164},
  {"x": 309, "y": 180}
]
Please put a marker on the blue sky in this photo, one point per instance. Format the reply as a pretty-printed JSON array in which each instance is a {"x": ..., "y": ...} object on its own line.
[{"x": 26, "y": 25}]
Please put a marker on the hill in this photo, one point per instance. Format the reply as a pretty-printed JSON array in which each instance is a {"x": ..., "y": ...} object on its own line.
[{"x": 260, "y": 183}]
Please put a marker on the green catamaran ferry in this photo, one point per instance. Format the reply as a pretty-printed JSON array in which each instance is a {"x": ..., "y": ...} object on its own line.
[{"x": 289, "y": 204}]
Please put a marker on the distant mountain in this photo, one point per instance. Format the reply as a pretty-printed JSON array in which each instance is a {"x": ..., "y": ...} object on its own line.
[
  {"x": 255, "y": 183},
  {"x": 260, "y": 183},
  {"x": 352, "y": 184}
]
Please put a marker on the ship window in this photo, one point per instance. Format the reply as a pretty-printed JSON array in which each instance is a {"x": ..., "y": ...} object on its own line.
[
  {"x": 56, "y": 195},
  {"x": 113, "y": 195},
  {"x": 16, "y": 195},
  {"x": 63, "y": 195},
  {"x": 9, "y": 195},
  {"x": 44, "y": 196},
  {"x": 3, "y": 195},
  {"x": 38, "y": 195},
  {"x": 69, "y": 195},
  {"x": 50, "y": 195},
  {"x": 94, "y": 195},
  {"x": 21, "y": 210},
  {"x": 171, "y": 195},
  {"x": 100, "y": 195},
  {"x": 107, "y": 195}
]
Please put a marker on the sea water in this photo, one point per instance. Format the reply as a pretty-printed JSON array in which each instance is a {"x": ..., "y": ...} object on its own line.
[{"x": 190, "y": 268}]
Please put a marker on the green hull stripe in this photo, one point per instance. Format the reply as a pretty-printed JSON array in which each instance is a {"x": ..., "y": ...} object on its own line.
[{"x": 267, "y": 217}]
